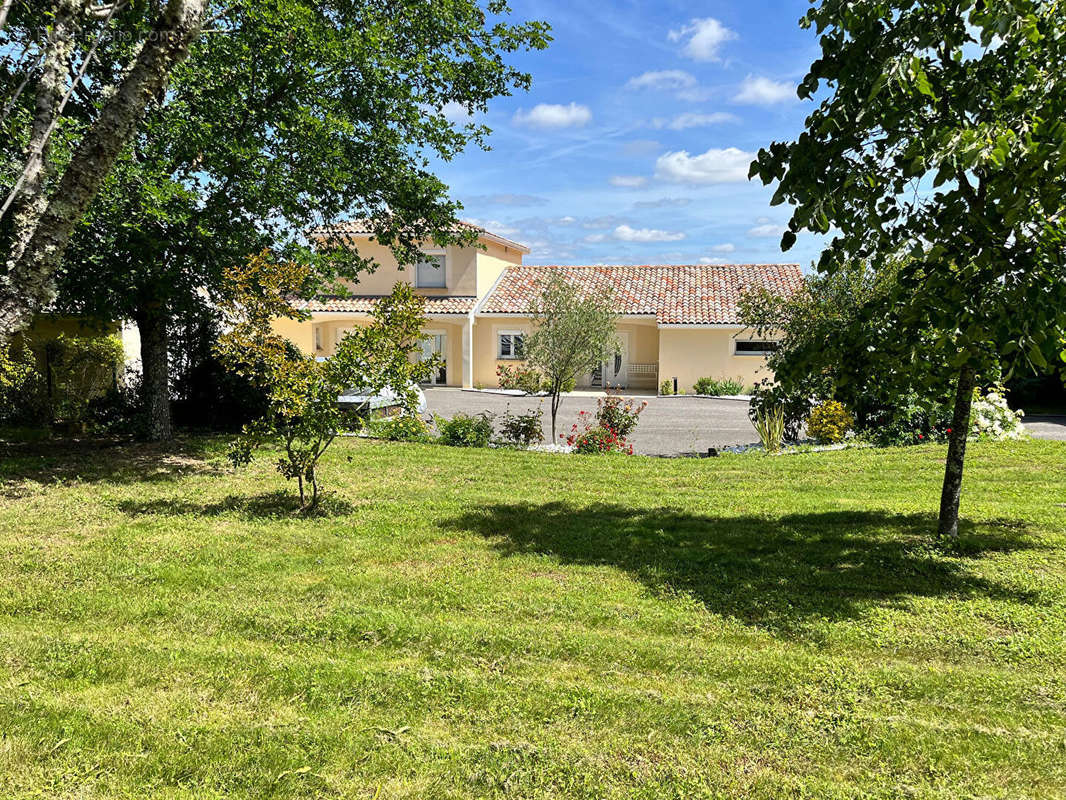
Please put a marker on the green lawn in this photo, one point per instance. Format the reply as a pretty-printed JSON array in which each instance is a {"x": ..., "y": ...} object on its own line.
[{"x": 488, "y": 624}]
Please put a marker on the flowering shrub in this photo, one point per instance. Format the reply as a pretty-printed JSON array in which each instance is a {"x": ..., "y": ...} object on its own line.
[
  {"x": 618, "y": 414},
  {"x": 522, "y": 430},
  {"x": 587, "y": 438},
  {"x": 828, "y": 422},
  {"x": 520, "y": 377},
  {"x": 992, "y": 418},
  {"x": 601, "y": 440}
]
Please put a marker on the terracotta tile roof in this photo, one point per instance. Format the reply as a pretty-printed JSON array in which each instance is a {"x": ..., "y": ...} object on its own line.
[
  {"x": 694, "y": 294},
  {"x": 364, "y": 227},
  {"x": 364, "y": 304}
]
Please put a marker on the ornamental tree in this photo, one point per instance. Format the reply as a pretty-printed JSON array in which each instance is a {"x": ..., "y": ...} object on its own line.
[
  {"x": 572, "y": 334},
  {"x": 303, "y": 416},
  {"x": 939, "y": 137}
]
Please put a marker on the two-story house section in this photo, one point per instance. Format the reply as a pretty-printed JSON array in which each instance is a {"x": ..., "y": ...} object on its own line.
[
  {"x": 452, "y": 279},
  {"x": 676, "y": 322}
]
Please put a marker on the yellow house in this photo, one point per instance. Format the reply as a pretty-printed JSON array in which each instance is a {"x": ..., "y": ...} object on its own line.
[{"x": 676, "y": 322}]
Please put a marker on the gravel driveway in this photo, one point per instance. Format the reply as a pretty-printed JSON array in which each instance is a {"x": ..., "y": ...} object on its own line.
[{"x": 668, "y": 426}]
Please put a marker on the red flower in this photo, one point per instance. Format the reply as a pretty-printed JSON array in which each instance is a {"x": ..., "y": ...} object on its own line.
[
  {"x": 947, "y": 430},
  {"x": 920, "y": 436}
]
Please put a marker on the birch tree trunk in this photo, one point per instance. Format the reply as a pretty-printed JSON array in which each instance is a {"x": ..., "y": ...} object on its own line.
[
  {"x": 30, "y": 201},
  {"x": 29, "y": 283}
]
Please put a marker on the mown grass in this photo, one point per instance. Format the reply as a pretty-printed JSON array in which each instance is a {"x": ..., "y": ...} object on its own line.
[{"x": 464, "y": 623}]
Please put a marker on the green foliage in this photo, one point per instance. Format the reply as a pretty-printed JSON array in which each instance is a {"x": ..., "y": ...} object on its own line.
[
  {"x": 286, "y": 116},
  {"x": 938, "y": 137},
  {"x": 399, "y": 428},
  {"x": 19, "y": 382},
  {"x": 910, "y": 420},
  {"x": 829, "y": 422},
  {"x": 522, "y": 430},
  {"x": 521, "y": 377},
  {"x": 769, "y": 422},
  {"x": 724, "y": 387},
  {"x": 82, "y": 368},
  {"x": 572, "y": 334},
  {"x": 619, "y": 414},
  {"x": 465, "y": 430},
  {"x": 666, "y": 388},
  {"x": 302, "y": 392}
]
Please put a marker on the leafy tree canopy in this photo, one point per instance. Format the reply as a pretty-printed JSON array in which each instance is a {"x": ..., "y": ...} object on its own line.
[{"x": 940, "y": 137}]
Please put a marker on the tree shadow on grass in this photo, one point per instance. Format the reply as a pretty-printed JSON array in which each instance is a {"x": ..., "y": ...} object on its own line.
[
  {"x": 779, "y": 573},
  {"x": 108, "y": 460},
  {"x": 270, "y": 505}
]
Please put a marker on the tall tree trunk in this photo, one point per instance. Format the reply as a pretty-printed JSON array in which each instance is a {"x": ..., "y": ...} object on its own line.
[
  {"x": 948, "y": 525},
  {"x": 155, "y": 365},
  {"x": 29, "y": 200},
  {"x": 36, "y": 254}
]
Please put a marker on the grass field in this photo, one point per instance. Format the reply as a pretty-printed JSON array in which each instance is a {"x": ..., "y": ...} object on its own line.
[{"x": 496, "y": 624}]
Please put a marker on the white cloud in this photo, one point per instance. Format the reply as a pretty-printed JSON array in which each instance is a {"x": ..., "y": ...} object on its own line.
[
  {"x": 767, "y": 231},
  {"x": 764, "y": 92},
  {"x": 703, "y": 38},
  {"x": 593, "y": 238},
  {"x": 727, "y": 247},
  {"x": 624, "y": 233},
  {"x": 706, "y": 260},
  {"x": 715, "y": 166},
  {"x": 628, "y": 181},
  {"x": 665, "y": 80},
  {"x": 691, "y": 119},
  {"x": 457, "y": 113},
  {"x": 551, "y": 115}
]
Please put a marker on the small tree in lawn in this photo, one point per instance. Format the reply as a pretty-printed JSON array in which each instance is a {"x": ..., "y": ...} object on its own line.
[
  {"x": 940, "y": 138},
  {"x": 572, "y": 334},
  {"x": 304, "y": 416}
]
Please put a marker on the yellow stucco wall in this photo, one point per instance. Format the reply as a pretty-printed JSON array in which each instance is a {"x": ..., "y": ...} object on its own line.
[
  {"x": 491, "y": 262},
  {"x": 469, "y": 271},
  {"x": 486, "y": 329},
  {"x": 692, "y": 353},
  {"x": 332, "y": 328},
  {"x": 642, "y": 337},
  {"x": 299, "y": 333}
]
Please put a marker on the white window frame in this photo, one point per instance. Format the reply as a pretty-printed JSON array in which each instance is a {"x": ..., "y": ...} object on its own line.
[
  {"x": 499, "y": 345},
  {"x": 759, "y": 353},
  {"x": 427, "y": 255}
]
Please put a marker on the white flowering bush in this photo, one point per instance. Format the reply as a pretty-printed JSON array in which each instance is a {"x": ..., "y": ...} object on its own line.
[{"x": 992, "y": 418}]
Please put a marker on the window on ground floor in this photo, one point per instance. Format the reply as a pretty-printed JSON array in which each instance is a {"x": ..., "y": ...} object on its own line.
[
  {"x": 511, "y": 344},
  {"x": 754, "y": 347}
]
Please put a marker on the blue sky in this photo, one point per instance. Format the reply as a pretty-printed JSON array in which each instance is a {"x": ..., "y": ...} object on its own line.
[{"x": 634, "y": 142}]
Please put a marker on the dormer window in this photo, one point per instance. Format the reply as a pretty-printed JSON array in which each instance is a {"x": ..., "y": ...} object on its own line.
[{"x": 430, "y": 272}]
